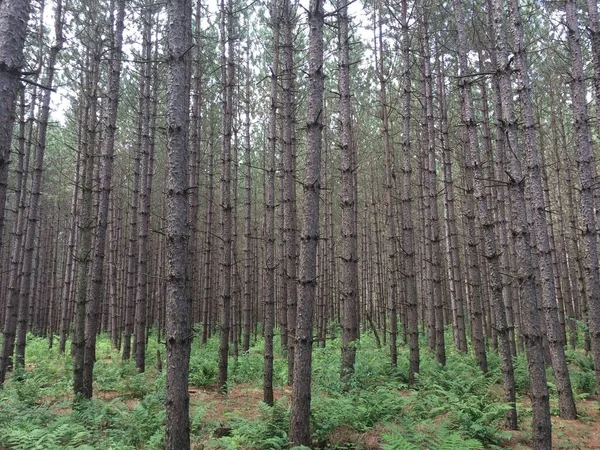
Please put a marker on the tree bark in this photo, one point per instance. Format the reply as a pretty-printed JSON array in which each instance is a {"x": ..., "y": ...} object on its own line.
[
  {"x": 585, "y": 162},
  {"x": 14, "y": 15},
  {"x": 349, "y": 256},
  {"x": 472, "y": 146},
  {"x": 178, "y": 331},
  {"x": 541, "y": 237},
  {"x": 36, "y": 188},
  {"x": 141, "y": 297},
  {"x": 11, "y": 307},
  {"x": 432, "y": 192},
  {"x": 227, "y": 83},
  {"x": 269, "y": 294},
  {"x": 299, "y": 433},
  {"x": 541, "y": 426},
  {"x": 289, "y": 179},
  {"x": 106, "y": 169},
  {"x": 408, "y": 246},
  {"x": 88, "y": 149}
]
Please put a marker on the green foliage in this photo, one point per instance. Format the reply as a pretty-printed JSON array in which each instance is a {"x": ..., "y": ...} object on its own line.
[
  {"x": 521, "y": 374},
  {"x": 60, "y": 434},
  {"x": 397, "y": 441},
  {"x": 461, "y": 392},
  {"x": 203, "y": 364},
  {"x": 268, "y": 431},
  {"x": 248, "y": 367},
  {"x": 450, "y": 407},
  {"x": 444, "y": 439},
  {"x": 583, "y": 377},
  {"x": 135, "y": 386},
  {"x": 359, "y": 409},
  {"x": 37, "y": 410}
]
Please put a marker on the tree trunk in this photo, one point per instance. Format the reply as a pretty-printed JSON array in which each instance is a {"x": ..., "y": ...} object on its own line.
[
  {"x": 408, "y": 246},
  {"x": 227, "y": 84},
  {"x": 70, "y": 264},
  {"x": 454, "y": 265},
  {"x": 88, "y": 149},
  {"x": 585, "y": 161},
  {"x": 141, "y": 297},
  {"x": 486, "y": 217},
  {"x": 14, "y": 15},
  {"x": 390, "y": 217},
  {"x": 36, "y": 188},
  {"x": 542, "y": 429},
  {"x": 432, "y": 190},
  {"x": 349, "y": 256},
  {"x": 289, "y": 179},
  {"x": 208, "y": 245},
  {"x": 106, "y": 168},
  {"x": 269, "y": 295},
  {"x": 178, "y": 331},
  {"x": 542, "y": 239},
  {"x": 248, "y": 287},
  {"x": 299, "y": 433},
  {"x": 594, "y": 31},
  {"x": 11, "y": 307}
]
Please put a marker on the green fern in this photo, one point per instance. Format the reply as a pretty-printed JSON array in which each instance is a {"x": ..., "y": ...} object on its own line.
[
  {"x": 455, "y": 440},
  {"x": 396, "y": 441},
  {"x": 442, "y": 440}
]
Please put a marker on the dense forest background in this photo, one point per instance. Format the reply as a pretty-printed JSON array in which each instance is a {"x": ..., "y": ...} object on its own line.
[{"x": 418, "y": 176}]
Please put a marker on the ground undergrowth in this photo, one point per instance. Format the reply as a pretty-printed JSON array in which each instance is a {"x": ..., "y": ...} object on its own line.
[{"x": 451, "y": 407}]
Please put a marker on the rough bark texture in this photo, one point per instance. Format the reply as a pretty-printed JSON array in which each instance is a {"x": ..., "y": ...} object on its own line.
[
  {"x": 390, "y": 217},
  {"x": 472, "y": 145},
  {"x": 408, "y": 246},
  {"x": 141, "y": 297},
  {"x": 133, "y": 246},
  {"x": 270, "y": 211},
  {"x": 87, "y": 147},
  {"x": 194, "y": 159},
  {"x": 33, "y": 214},
  {"x": 349, "y": 256},
  {"x": 594, "y": 31},
  {"x": 178, "y": 331},
  {"x": 454, "y": 264},
  {"x": 487, "y": 220},
  {"x": 226, "y": 232},
  {"x": 531, "y": 330},
  {"x": 67, "y": 298},
  {"x": 491, "y": 243},
  {"x": 549, "y": 305},
  {"x": 248, "y": 288},
  {"x": 585, "y": 162},
  {"x": 300, "y": 409},
  {"x": 502, "y": 201},
  {"x": 432, "y": 211},
  {"x": 16, "y": 249},
  {"x": 290, "y": 223},
  {"x": 14, "y": 15},
  {"x": 106, "y": 168}
]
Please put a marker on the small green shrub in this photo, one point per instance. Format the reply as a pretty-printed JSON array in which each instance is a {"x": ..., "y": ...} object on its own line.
[
  {"x": 443, "y": 439},
  {"x": 268, "y": 431}
]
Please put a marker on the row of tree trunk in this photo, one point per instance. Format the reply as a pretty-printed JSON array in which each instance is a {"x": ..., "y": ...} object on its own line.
[{"x": 436, "y": 189}]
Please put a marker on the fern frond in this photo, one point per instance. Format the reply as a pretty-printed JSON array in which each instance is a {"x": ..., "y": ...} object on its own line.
[
  {"x": 397, "y": 441},
  {"x": 455, "y": 440}
]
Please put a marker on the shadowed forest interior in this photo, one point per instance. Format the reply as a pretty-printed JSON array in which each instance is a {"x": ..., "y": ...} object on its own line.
[{"x": 299, "y": 224}]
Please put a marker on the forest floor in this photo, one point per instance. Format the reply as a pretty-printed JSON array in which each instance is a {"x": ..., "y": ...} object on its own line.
[
  {"x": 243, "y": 401},
  {"x": 582, "y": 434},
  {"x": 455, "y": 406}
]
